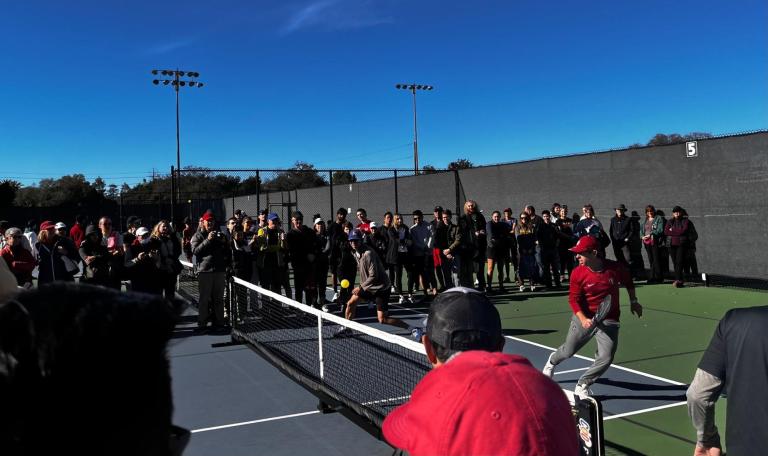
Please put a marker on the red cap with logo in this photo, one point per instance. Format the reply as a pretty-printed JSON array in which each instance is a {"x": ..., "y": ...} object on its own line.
[
  {"x": 47, "y": 225},
  {"x": 586, "y": 244},
  {"x": 484, "y": 403}
]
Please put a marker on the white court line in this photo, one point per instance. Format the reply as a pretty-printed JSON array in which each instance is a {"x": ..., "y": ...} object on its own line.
[
  {"x": 245, "y": 423},
  {"x": 572, "y": 370},
  {"x": 637, "y": 412},
  {"x": 655, "y": 377}
]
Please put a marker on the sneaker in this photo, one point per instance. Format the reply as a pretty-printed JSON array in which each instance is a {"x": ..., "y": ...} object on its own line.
[
  {"x": 392, "y": 290},
  {"x": 342, "y": 331},
  {"x": 582, "y": 391},
  {"x": 549, "y": 368},
  {"x": 417, "y": 333},
  {"x": 522, "y": 288},
  {"x": 335, "y": 296},
  {"x": 533, "y": 287},
  {"x": 325, "y": 308},
  {"x": 401, "y": 300}
]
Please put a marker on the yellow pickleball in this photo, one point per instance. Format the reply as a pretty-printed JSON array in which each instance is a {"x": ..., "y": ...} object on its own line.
[{"x": 345, "y": 283}]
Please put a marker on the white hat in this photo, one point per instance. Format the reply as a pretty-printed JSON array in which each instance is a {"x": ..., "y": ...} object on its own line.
[
  {"x": 374, "y": 225},
  {"x": 142, "y": 231},
  {"x": 60, "y": 225},
  {"x": 318, "y": 220}
]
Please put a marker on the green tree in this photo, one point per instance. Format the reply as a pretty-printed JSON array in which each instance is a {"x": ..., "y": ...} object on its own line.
[
  {"x": 428, "y": 169},
  {"x": 8, "y": 190},
  {"x": 302, "y": 175},
  {"x": 461, "y": 163},
  {"x": 100, "y": 186},
  {"x": 343, "y": 177},
  {"x": 661, "y": 139}
]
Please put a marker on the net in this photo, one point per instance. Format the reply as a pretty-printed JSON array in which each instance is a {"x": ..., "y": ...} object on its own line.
[{"x": 348, "y": 364}]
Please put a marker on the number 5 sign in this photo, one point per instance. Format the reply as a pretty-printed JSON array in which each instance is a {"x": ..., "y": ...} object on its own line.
[{"x": 691, "y": 149}]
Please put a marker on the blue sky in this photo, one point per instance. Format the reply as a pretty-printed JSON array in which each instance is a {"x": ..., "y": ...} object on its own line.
[{"x": 314, "y": 81}]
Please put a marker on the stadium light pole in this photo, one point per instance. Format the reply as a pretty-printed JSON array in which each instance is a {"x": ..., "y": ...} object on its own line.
[
  {"x": 176, "y": 82},
  {"x": 413, "y": 88}
]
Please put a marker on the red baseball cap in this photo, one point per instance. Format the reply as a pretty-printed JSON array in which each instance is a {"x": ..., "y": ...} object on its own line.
[
  {"x": 208, "y": 216},
  {"x": 47, "y": 225},
  {"x": 484, "y": 403},
  {"x": 585, "y": 244}
]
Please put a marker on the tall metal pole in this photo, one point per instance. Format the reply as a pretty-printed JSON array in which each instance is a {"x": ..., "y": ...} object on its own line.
[
  {"x": 415, "y": 135},
  {"x": 178, "y": 141}
]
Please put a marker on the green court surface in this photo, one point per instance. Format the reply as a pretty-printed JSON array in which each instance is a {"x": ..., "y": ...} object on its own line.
[{"x": 668, "y": 341}]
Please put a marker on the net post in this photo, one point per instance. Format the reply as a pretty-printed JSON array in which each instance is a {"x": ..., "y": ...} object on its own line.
[
  {"x": 330, "y": 194},
  {"x": 397, "y": 209},
  {"x": 320, "y": 346}
]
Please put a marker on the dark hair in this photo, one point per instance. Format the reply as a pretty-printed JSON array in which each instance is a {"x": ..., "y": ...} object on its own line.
[
  {"x": 360, "y": 209},
  {"x": 531, "y": 208},
  {"x": 231, "y": 219},
  {"x": 554, "y": 205},
  {"x": 341, "y": 211},
  {"x": 495, "y": 212},
  {"x": 589, "y": 206},
  {"x": 545, "y": 212},
  {"x": 388, "y": 213},
  {"x": 418, "y": 212},
  {"x": 650, "y": 209},
  {"x": 447, "y": 212},
  {"x": 80, "y": 218}
]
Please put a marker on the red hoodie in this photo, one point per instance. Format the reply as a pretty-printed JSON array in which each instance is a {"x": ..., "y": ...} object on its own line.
[
  {"x": 588, "y": 288},
  {"x": 77, "y": 234}
]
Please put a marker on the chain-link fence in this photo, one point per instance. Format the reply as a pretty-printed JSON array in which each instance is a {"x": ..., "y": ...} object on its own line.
[{"x": 315, "y": 192}]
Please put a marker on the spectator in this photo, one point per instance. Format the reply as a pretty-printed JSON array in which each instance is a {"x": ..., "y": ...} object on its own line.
[
  {"x": 439, "y": 243},
  {"x": 690, "y": 265},
  {"x": 526, "y": 243},
  {"x": 636, "y": 265},
  {"x": 347, "y": 264},
  {"x": 142, "y": 259},
  {"x": 232, "y": 222},
  {"x": 336, "y": 234},
  {"x": 555, "y": 214},
  {"x": 594, "y": 282},
  {"x": 565, "y": 231},
  {"x": 421, "y": 253},
  {"x": 77, "y": 232},
  {"x": 4, "y": 225},
  {"x": 511, "y": 245},
  {"x": 734, "y": 362},
  {"x": 374, "y": 284},
  {"x": 511, "y": 408},
  {"x": 678, "y": 232},
  {"x": 590, "y": 226},
  {"x": 389, "y": 232},
  {"x": 169, "y": 248},
  {"x": 365, "y": 224},
  {"x": 61, "y": 230},
  {"x": 272, "y": 253},
  {"x": 652, "y": 235},
  {"x": 78, "y": 364},
  {"x": 535, "y": 220},
  {"x": 186, "y": 238},
  {"x": 378, "y": 241},
  {"x": 496, "y": 252},
  {"x": 250, "y": 237},
  {"x": 620, "y": 234},
  {"x": 132, "y": 223},
  {"x": 57, "y": 257},
  {"x": 301, "y": 243},
  {"x": 209, "y": 246},
  {"x": 403, "y": 258},
  {"x": 30, "y": 235},
  {"x": 547, "y": 238},
  {"x": 262, "y": 219},
  {"x": 96, "y": 258},
  {"x": 454, "y": 242},
  {"x": 474, "y": 243},
  {"x": 242, "y": 265},
  {"x": 20, "y": 262},
  {"x": 113, "y": 241},
  {"x": 663, "y": 249},
  {"x": 322, "y": 249}
]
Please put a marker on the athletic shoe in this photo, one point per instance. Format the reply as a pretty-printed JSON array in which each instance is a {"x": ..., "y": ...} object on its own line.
[
  {"x": 582, "y": 391},
  {"x": 522, "y": 288},
  {"x": 549, "y": 368},
  {"x": 416, "y": 333},
  {"x": 533, "y": 287},
  {"x": 402, "y": 300},
  {"x": 335, "y": 296},
  {"x": 342, "y": 331},
  {"x": 392, "y": 290},
  {"x": 325, "y": 308}
]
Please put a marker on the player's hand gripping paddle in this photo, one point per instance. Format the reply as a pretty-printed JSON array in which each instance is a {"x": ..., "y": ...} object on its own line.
[{"x": 602, "y": 311}]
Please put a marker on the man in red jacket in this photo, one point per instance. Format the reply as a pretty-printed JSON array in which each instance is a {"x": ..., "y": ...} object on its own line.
[
  {"x": 20, "y": 261},
  {"x": 77, "y": 232},
  {"x": 594, "y": 280}
]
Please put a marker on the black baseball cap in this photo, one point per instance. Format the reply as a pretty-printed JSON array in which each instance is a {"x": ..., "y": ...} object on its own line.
[
  {"x": 438, "y": 209},
  {"x": 464, "y": 319}
]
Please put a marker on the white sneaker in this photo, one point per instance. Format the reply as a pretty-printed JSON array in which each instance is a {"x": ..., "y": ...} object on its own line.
[
  {"x": 582, "y": 391},
  {"x": 392, "y": 290},
  {"x": 326, "y": 308},
  {"x": 401, "y": 300},
  {"x": 416, "y": 333},
  {"x": 522, "y": 288},
  {"x": 549, "y": 368},
  {"x": 335, "y": 296},
  {"x": 477, "y": 282},
  {"x": 533, "y": 287},
  {"x": 342, "y": 331}
]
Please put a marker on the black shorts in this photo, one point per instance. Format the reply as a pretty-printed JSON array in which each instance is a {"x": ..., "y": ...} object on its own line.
[{"x": 381, "y": 298}]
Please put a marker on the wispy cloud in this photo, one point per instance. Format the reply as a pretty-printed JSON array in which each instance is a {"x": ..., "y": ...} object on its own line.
[
  {"x": 336, "y": 15},
  {"x": 168, "y": 47}
]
